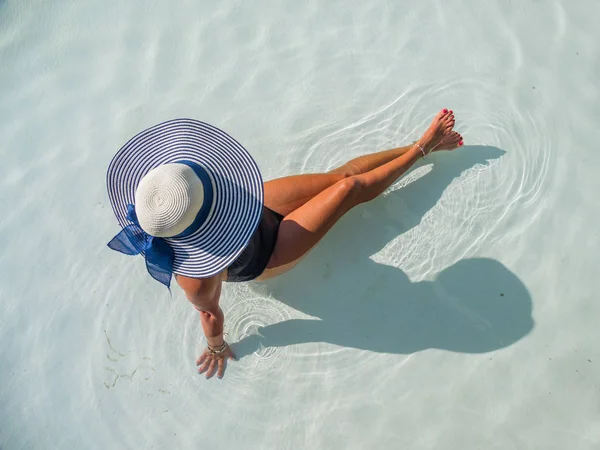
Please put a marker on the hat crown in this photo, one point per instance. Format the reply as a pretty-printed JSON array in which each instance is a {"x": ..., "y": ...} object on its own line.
[{"x": 168, "y": 199}]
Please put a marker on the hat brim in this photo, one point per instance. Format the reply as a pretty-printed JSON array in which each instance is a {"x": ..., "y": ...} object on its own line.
[{"x": 237, "y": 185}]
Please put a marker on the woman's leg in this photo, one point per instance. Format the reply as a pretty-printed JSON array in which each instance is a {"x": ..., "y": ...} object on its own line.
[
  {"x": 303, "y": 228},
  {"x": 284, "y": 195}
]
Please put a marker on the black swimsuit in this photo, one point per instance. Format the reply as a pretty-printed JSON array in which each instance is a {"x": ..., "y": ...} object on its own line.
[{"x": 255, "y": 257}]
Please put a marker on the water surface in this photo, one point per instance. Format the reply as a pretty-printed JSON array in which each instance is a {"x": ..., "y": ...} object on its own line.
[{"x": 458, "y": 311}]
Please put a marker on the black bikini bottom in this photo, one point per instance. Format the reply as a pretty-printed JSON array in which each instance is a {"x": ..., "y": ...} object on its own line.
[{"x": 255, "y": 257}]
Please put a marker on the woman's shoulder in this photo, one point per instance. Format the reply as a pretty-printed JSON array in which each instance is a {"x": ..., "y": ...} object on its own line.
[{"x": 199, "y": 286}]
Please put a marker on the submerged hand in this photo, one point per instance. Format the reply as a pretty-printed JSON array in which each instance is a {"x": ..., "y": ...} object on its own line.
[{"x": 214, "y": 362}]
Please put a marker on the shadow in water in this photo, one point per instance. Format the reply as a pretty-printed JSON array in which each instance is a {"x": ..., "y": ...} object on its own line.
[{"x": 476, "y": 305}]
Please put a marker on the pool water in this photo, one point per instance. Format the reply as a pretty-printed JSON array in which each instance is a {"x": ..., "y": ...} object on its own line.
[{"x": 457, "y": 311}]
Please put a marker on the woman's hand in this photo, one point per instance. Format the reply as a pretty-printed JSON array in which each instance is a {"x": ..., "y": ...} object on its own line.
[{"x": 211, "y": 362}]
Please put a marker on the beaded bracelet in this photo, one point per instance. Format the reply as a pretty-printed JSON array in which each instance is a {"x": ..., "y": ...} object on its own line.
[{"x": 221, "y": 349}]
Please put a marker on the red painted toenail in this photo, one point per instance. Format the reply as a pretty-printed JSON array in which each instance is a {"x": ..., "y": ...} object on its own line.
[
  {"x": 445, "y": 110},
  {"x": 450, "y": 111},
  {"x": 460, "y": 143}
]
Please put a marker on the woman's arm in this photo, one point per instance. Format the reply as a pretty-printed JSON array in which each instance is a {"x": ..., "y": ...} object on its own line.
[
  {"x": 212, "y": 324},
  {"x": 204, "y": 294}
]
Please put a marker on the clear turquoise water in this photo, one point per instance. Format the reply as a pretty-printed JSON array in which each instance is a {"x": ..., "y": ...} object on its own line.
[{"x": 463, "y": 316}]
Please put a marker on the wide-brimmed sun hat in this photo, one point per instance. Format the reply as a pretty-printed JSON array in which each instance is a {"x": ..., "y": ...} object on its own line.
[{"x": 188, "y": 196}]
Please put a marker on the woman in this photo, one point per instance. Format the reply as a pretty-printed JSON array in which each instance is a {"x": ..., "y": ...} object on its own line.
[{"x": 191, "y": 200}]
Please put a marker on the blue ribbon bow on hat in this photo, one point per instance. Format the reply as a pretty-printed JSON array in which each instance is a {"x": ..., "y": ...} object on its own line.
[{"x": 132, "y": 240}]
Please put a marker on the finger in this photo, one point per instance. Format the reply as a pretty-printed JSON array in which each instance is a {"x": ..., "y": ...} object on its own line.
[
  {"x": 232, "y": 355},
  {"x": 204, "y": 366},
  {"x": 211, "y": 369},
  {"x": 201, "y": 358},
  {"x": 222, "y": 364}
]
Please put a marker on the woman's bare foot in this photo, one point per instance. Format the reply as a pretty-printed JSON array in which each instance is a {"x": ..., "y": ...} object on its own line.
[
  {"x": 450, "y": 141},
  {"x": 440, "y": 128}
]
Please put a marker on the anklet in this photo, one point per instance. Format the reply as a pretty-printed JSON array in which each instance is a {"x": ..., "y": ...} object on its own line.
[{"x": 422, "y": 150}]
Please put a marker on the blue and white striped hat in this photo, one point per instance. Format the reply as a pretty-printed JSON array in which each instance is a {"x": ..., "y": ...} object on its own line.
[{"x": 188, "y": 196}]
